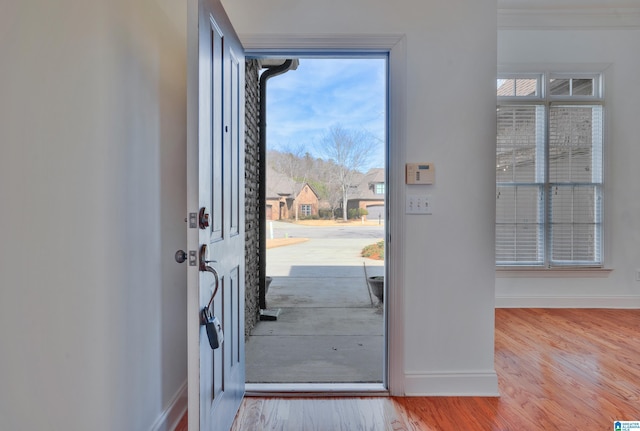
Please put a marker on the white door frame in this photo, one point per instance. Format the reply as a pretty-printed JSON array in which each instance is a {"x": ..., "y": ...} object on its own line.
[{"x": 395, "y": 47}]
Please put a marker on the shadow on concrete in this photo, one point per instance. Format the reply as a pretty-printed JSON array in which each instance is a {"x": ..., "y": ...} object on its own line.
[{"x": 330, "y": 328}]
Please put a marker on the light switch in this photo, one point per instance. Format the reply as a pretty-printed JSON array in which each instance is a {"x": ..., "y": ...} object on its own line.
[{"x": 419, "y": 204}]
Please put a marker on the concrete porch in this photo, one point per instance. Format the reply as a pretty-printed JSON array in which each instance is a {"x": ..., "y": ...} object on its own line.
[{"x": 330, "y": 328}]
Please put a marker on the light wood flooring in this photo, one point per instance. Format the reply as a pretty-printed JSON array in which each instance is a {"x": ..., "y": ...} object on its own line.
[{"x": 558, "y": 369}]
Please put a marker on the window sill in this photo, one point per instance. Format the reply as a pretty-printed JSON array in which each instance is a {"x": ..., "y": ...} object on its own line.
[{"x": 553, "y": 273}]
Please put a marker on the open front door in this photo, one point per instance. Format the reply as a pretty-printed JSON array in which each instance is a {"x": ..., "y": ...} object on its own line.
[{"x": 215, "y": 187}]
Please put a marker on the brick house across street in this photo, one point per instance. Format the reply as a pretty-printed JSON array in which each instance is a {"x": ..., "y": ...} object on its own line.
[
  {"x": 289, "y": 200},
  {"x": 369, "y": 193}
]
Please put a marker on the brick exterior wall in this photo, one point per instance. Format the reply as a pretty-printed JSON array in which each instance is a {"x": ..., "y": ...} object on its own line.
[
  {"x": 305, "y": 197},
  {"x": 276, "y": 212},
  {"x": 252, "y": 199}
]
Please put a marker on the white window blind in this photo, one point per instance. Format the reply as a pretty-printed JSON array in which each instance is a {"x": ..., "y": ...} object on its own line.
[
  {"x": 548, "y": 177},
  {"x": 575, "y": 178},
  {"x": 520, "y": 181}
]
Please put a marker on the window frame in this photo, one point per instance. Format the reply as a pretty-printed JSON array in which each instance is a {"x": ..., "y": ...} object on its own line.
[
  {"x": 597, "y": 87},
  {"x": 303, "y": 212},
  {"x": 543, "y": 99}
]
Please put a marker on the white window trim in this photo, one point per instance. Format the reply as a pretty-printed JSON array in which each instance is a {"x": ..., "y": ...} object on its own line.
[
  {"x": 540, "y": 272},
  {"x": 587, "y": 70},
  {"x": 597, "y": 87},
  {"x": 396, "y": 47}
]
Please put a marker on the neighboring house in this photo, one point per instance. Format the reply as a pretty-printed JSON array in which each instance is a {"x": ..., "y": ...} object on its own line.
[
  {"x": 305, "y": 203},
  {"x": 368, "y": 193},
  {"x": 279, "y": 195},
  {"x": 288, "y": 199}
]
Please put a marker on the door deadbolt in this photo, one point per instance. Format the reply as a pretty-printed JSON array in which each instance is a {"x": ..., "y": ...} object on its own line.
[{"x": 203, "y": 218}]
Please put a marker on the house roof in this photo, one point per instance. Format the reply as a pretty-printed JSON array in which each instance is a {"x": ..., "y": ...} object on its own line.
[
  {"x": 365, "y": 184},
  {"x": 279, "y": 185},
  {"x": 518, "y": 87}
]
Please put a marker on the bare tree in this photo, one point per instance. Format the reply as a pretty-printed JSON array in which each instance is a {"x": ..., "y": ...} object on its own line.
[
  {"x": 350, "y": 150},
  {"x": 325, "y": 185},
  {"x": 333, "y": 197},
  {"x": 290, "y": 161}
]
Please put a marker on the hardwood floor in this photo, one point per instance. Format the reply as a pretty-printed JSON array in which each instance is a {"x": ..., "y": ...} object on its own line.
[{"x": 558, "y": 369}]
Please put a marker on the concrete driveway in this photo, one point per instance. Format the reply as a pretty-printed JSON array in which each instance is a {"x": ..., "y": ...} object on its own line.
[{"x": 330, "y": 328}]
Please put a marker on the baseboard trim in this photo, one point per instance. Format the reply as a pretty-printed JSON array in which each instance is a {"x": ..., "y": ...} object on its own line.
[
  {"x": 169, "y": 418},
  {"x": 568, "y": 301},
  {"x": 479, "y": 384}
]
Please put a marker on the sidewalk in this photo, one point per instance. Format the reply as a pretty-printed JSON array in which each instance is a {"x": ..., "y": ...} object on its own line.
[{"x": 330, "y": 329}]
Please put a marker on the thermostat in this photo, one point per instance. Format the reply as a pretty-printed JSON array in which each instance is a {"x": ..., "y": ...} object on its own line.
[{"x": 420, "y": 173}]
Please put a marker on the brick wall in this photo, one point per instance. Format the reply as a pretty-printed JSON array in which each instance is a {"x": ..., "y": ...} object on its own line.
[
  {"x": 252, "y": 200},
  {"x": 308, "y": 197}
]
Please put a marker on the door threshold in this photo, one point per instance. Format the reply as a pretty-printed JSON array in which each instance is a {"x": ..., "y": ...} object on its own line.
[{"x": 315, "y": 390}]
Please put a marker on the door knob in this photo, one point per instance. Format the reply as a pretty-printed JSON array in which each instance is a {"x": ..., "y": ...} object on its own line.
[{"x": 180, "y": 256}]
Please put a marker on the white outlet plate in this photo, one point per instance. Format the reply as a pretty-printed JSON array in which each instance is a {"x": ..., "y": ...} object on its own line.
[{"x": 419, "y": 204}]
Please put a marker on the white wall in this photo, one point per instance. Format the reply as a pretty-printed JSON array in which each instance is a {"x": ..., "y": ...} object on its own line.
[
  {"x": 449, "y": 268},
  {"x": 592, "y": 41},
  {"x": 92, "y": 181}
]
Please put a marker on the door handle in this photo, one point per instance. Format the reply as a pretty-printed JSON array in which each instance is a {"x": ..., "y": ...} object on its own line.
[
  {"x": 206, "y": 268},
  {"x": 211, "y": 323}
]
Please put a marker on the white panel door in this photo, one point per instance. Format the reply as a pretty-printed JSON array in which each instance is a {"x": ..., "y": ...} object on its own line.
[{"x": 215, "y": 189}]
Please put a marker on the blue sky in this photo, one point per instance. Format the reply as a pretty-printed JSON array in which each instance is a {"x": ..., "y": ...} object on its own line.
[{"x": 303, "y": 104}]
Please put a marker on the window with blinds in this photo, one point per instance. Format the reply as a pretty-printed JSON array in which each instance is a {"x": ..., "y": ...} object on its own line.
[{"x": 549, "y": 171}]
